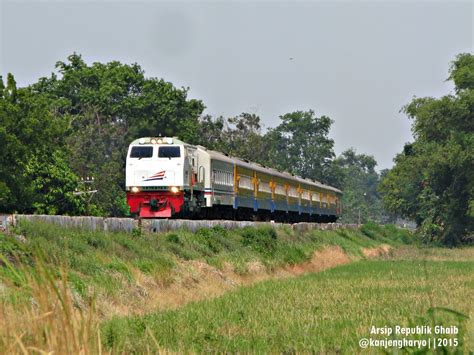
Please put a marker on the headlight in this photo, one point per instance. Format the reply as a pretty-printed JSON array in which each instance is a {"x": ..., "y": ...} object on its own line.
[
  {"x": 135, "y": 189},
  {"x": 174, "y": 189}
]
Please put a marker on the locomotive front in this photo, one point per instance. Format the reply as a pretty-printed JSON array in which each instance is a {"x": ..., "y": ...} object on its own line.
[{"x": 155, "y": 177}]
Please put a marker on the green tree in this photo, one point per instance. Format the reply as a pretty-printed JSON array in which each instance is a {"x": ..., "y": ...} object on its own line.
[
  {"x": 53, "y": 185},
  {"x": 432, "y": 181},
  {"x": 107, "y": 106},
  {"x": 32, "y": 167},
  {"x": 239, "y": 136},
  {"x": 210, "y": 132},
  {"x": 300, "y": 145},
  {"x": 359, "y": 183},
  {"x": 242, "y": 138}
]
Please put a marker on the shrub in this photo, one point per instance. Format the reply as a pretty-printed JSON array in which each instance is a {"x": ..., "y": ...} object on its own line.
[
  {"x": 263, "y": 240},
  {"x": 213, "y": 238},
  {"x": 294, "y": 255},
  {"x": 13, "y": 250}
]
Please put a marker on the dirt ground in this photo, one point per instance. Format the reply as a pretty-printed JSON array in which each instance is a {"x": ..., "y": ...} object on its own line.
[{"x": 196, "y": 280}]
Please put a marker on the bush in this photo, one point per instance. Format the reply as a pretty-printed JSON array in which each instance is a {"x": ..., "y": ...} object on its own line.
[
  {"x": 217, "y": 239},
  {"x": 371, "y": 230},
  {"x": 294, "y": 255},
  {"x": 263, "y": 240},
  {"x": 12, "y": 249}
]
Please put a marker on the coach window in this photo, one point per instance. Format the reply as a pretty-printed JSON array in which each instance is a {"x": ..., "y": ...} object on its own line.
[
  {"x": 280, "y": 190},
  {"x": 169, "y": 152},
  {"x": 264, "y": 187},
  {"x": 141, "y": 152},
  {"x": 245, "y": 182},
  {"x": 293, "y": 192}
]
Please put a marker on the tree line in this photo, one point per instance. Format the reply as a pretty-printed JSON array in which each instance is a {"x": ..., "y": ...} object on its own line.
[
  {"x": 432, "y": 181},
  {"x": 63, "y": 130}
]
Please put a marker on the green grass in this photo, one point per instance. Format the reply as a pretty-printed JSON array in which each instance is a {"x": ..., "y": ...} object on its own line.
[
  {"x": 106, "y": 274},
  {"x": 326, "y": 312},
  {"x": 109, "y": 261}
]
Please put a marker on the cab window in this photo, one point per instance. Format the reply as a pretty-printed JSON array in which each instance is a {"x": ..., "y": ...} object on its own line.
[
  {"x": 141, "y": 152},
  {"x": 169, "y": 152}
]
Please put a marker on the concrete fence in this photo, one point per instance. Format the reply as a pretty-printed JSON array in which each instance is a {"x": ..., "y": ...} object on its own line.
[{"x": 154, "y": 225}]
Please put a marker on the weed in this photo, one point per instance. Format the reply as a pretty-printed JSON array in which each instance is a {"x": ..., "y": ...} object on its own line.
[
  {"x": 294, "y": 255},
  {"x": 174, "y": 238},
  {"x": 136, "y": 232},
  {"x": 263, "y": 240}
]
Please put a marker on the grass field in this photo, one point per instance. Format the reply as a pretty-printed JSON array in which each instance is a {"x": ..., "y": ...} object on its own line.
[
  {"x": 116, "y": 266},
  {"x": 72, "y": 291},
  {"x": 325, "y": 312}
]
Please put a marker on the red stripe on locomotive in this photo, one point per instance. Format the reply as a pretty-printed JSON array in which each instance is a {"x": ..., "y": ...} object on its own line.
[{"x": 155, "y": 204}]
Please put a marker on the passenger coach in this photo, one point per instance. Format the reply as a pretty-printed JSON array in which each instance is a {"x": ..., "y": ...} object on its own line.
[{"x": 168, "y": 178}]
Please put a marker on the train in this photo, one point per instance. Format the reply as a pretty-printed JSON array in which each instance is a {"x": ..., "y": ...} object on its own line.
[{"x": 168, "y": 178}]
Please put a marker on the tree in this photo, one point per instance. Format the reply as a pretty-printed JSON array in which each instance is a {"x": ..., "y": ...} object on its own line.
[
  {"x": 242, "y": 138},
  {"x": 33, "y": 172},
  {"x": 300, "y": 145},
  {"x": 238, "y": 136},
  {"x": 432, "y": 181},
  {"x": 359, "y": 183},
  {"x": 78, "y": 122},
  {"x": 53, "y": 185},
  {"x": 210, "y": 132},
  {"x": 108, "y": 106}
]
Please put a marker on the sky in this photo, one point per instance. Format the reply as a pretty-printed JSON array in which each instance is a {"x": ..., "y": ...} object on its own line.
[{"x": 357, "y": 62}]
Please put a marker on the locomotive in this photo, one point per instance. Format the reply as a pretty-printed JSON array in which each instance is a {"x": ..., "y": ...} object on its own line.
[{"x": 168, "y": 178}]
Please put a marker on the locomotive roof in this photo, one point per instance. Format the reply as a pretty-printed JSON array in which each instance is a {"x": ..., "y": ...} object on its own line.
[{"x": 165, "y": 140}]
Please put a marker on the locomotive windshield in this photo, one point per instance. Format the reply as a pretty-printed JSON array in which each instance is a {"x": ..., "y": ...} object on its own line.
[
  {"x": 141, "y": 152},
  {"x": 169, "y": 152}
]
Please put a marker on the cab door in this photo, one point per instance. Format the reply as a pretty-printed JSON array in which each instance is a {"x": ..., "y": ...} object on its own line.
[{"x": 192, "y": 170}]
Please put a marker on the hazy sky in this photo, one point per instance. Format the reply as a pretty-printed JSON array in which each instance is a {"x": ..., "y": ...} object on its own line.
[{"x": 357, "y": 62}]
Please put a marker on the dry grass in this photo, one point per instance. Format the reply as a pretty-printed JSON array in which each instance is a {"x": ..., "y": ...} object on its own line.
[
  {"x": 321, "y": 260},
  {"x": 49, "y": 320},
  {"x": 383, "y": 250}
]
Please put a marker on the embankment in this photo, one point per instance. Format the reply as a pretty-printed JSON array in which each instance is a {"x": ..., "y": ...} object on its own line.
[{"x": 121, "y": 273}]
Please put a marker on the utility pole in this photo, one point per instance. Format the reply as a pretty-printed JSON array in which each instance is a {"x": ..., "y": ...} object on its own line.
[
  {"x": 365, "y": 194},
  {"x": 85, "y": 189}
]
